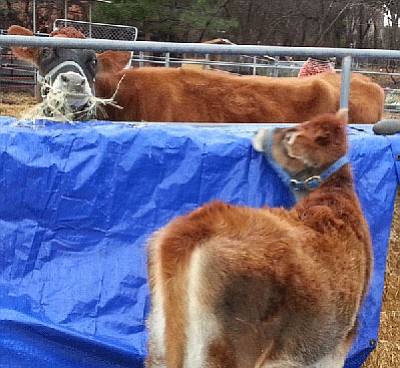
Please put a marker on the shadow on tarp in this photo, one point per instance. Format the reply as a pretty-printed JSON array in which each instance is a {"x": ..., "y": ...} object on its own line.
[
  {"x": 40, "y": 346},
  {"x": 79, "y": 201}
]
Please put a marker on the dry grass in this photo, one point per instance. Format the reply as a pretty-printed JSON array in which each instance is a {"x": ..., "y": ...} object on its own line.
[
  {"x": 387, "y": 353},
  {"x": 15, "y": 104},
  {"x": 55, "y": 105},
  {"x": 25, "y": 107}
]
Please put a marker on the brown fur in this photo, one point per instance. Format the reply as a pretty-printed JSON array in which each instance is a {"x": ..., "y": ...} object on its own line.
[
  {"x": 182, "y": 95},
  {"x": 112, "y": 61},
  {"x": 67, "y": 32},
  {"x": 26, "y": 53},
  {"x": 284, "y": 286}
]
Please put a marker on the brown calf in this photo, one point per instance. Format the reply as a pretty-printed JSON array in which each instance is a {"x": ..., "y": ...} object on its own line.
[{"x": 238, "y": 287}]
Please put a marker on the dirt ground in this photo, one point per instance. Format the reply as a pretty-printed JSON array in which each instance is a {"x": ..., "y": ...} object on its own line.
[{"x": 387, "y": 353}]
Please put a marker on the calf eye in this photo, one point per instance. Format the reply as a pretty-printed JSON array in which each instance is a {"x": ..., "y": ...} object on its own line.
[
  {"x": 288, "y": 137},
  {"x": 323, "y": 140}
]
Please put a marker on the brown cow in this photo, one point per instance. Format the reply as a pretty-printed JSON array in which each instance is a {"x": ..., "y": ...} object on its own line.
[
  {"x": 181, "y": 95},
  {"x": 185, "y": 95},
  {"x": 237, "y": 287}
]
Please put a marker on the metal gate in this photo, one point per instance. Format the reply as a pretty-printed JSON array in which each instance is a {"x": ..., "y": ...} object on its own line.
[
  {"x": 99, "y": 30},
  {"x": 15, "y": 75}
]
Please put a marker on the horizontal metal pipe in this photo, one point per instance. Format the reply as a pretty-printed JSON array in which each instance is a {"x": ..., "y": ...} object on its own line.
[
  {"x": 199, "y": 48},
  {"x": 9, "y": 82}
]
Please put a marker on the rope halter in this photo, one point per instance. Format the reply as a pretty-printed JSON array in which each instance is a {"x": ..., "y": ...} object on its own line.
[{"x": 47, "y": 79}]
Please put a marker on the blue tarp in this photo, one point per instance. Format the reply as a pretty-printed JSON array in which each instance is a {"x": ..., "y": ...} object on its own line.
[{"x": 78, "y": 202}]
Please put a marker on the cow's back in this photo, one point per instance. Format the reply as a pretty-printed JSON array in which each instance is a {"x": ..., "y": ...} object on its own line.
[
  {"x": 366, "y": 100},
  {"x": 184, "y": 95}
]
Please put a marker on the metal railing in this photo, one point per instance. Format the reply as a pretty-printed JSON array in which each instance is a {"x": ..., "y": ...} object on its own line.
[
  {"x": 271, "y": 67},
  {"x": 198, "y": 48},
  {"x": 15, "y": 75},
  {"x": 242, "y": 64}
]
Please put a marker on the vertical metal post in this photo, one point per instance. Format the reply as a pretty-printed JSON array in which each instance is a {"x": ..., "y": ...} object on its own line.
[
  {"x": 141, "y": 59},
  {"x": 254, "y": 65},
  {"x": 275, "y": 71},
  {"x": 65, "y": 12},
  {"x": 36, "y": 88},
  {"x": 345, "y": 82},
  {"x": 207, "y": 61},
  {"x": 34, "y": 16},
  {"x": 167, "y": 55},
  {"x": 90, "y": 20}
]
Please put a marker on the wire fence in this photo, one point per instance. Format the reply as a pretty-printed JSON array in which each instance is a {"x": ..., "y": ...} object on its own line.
[
  {"x": 100, "y": 30},
  {"x": 15, "y": 75},
  {"x": 259, "y": 56}
]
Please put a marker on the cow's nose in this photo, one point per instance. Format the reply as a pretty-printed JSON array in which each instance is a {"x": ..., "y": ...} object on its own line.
[{"x": 73, "y": 82}]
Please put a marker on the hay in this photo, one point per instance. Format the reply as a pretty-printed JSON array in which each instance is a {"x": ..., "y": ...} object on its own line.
[
  {"x": 387, "y": 353},
  {"x": 55, "y": 107},
  {"x": 14, "y": 104}
]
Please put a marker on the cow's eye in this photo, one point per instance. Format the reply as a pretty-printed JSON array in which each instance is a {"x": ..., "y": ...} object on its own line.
[{"x": 46, "y": 52}]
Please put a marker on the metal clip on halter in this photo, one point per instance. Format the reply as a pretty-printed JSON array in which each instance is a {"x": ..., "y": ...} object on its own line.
[
  {"x": 313, "y": 182},
  {"x": 295, "y": 185}
]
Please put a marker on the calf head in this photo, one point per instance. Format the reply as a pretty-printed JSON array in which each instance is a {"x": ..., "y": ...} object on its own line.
[
  {"x": 70, "y": 71},
  {"x": 308, "y": 148}
]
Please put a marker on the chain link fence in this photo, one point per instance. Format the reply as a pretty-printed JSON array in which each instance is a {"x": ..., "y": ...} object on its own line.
[{"x": 99, "y": 30}]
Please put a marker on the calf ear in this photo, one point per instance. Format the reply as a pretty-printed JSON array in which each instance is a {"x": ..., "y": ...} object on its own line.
[
  {"x": 259, "y": 139},
  {"x": 27, "y": 53},
  {"x": 343, "y": 115}
]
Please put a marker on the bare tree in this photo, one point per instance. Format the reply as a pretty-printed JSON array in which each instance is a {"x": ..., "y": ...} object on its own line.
[{"x": 340, "y": 23}]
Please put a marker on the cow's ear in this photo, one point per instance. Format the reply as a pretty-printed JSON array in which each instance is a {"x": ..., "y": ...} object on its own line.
[
  {"x": 27, "y": 53},
  {"x": 20, "y": 31},
  {"x": 112, "y": 61},
  {"x": 103, "y": 63}
]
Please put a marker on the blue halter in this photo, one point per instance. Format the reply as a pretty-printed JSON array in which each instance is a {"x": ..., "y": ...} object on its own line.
[{"x": 295, "y": 185}]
